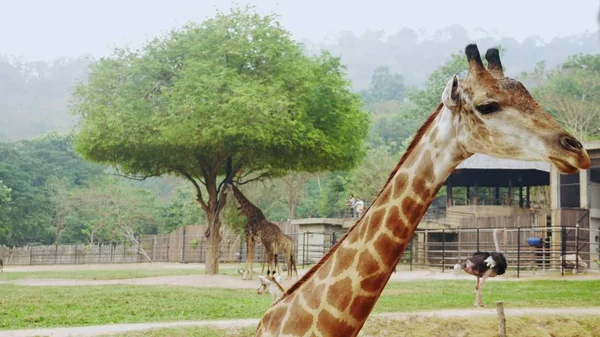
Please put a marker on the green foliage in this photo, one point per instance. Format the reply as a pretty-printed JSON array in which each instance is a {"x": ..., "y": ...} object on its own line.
[
  {"x": 5, "y": 193},
  {"x": 246, "y": 86},
  {"x": 571, "y": 94},
  {"x": 114, "y": 209},
  {"x": 235, "y": 86},
  {"x": 26, "y": 167},
  {"x": 181, "y": 210},
  {"x": 334, "y": 196},
  {"x": 385, "y": 86},
  {"x": 368, "y": 178},
  {"x": 426, "y": 100}
]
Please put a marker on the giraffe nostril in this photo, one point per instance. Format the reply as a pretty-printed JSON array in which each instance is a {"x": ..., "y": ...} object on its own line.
[{"x": 570, "y": 143}]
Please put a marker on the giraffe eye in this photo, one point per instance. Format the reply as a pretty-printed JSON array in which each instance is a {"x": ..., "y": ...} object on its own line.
[{"x": 488, "y": 108}]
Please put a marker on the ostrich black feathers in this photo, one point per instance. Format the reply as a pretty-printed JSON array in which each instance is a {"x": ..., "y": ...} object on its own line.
[{"x": 477, "y": 263}]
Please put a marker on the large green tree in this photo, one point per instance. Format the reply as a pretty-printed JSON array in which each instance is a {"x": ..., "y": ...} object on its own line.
[{"x": 235, "y": 86}]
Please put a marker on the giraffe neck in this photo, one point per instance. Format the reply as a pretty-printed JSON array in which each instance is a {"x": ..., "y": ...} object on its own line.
[
  {"x": 337, "y": 295},
  {"x": 248, "y": 207}
]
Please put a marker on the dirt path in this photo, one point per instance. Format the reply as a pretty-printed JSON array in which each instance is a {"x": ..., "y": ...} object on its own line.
[{"x": 228, "y": 324}]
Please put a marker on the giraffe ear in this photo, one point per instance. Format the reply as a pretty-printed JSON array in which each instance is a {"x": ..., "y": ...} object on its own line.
[{"x": 451, "y": 94}]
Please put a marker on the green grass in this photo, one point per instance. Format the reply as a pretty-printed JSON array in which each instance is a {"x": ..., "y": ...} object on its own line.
[
  {"x": 430, "y": 295},
  {"x": 113, "y": 274},
  {"x": 190, "y": 331},
  {"x": 525, "y": 326},
  {"x": 29, "y": 307},
  {"x": 116, "y": 274}
]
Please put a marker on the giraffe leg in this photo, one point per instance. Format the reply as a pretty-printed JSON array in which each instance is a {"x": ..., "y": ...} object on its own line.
[
  {"x": 249, "y": 259},
  {"x": 264, "y": 259},
  {"x": 249, "y": 243}
]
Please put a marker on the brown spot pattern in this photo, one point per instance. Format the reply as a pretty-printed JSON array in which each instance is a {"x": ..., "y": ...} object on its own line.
[
  {"x": 426, "y": 166},
  {"x": 374, "y": 223},
  {"x": 275, "y": 318},
  {"x": 362, "y": 306},
  {"x": 400, "y": 184},
  {"x": 344, "y": 259},
  {"x": 387, "y": 249},
  {"x": 375, "y": 283},
  {"x": 330, "y": 326},
  {"x": 367, "y": 264},
  {"x": 340, "y": 294},
  {"x": 384, "y": 197},
  {"x": 395, "y": 224},
  {"x": 298, "y": 324},
  {"x": 420, "y": 187}
]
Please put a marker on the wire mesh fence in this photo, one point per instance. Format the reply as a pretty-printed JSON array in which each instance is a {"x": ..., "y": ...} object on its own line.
[{"x": 533, "y": 248}]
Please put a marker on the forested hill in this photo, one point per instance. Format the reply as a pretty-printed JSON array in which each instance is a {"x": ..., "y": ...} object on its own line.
[
  {"x": 34, "y": 96},
  {"x": 408, "y": 54}
]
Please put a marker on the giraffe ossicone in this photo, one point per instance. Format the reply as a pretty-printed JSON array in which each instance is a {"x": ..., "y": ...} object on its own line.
[{"x": 485, "y": 113}]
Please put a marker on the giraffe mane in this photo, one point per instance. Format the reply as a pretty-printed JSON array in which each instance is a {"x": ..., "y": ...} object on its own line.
[{"x": 418, "y": 136}]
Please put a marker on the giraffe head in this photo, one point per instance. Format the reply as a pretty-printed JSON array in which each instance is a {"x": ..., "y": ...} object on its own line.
[
  {"x": 228, "y": 188},
  {"x": 495, "y": 115}
]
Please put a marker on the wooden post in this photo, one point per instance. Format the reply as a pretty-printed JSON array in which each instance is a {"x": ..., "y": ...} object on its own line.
[{"x": 501, "y": 319}]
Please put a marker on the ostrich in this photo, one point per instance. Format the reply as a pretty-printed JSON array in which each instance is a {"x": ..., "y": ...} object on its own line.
[{"x": 483, "y": 265}]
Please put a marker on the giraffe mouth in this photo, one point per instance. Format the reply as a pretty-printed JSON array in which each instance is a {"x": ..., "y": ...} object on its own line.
[{"x": 563, "y": 166}]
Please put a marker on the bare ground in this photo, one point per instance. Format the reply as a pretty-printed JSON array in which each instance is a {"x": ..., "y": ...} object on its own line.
[
  {"x": 236, "y": 282},
  {"x": 239, "y": 323}
]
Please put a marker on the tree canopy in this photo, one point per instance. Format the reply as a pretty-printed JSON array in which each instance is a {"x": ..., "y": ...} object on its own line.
[
  {"x": 571, "y": 93},
  {"x": 234, "y": 86}
]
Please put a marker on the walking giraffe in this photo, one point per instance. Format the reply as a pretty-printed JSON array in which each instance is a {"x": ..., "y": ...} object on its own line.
[
  {"x": 484, "y": 113},
  {"x": 258, "y": 229}
]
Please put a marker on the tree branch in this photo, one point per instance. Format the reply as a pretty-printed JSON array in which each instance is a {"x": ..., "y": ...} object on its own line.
[
  {"x": 260, "y": 177},
  {"x": 199, "y": 197}
]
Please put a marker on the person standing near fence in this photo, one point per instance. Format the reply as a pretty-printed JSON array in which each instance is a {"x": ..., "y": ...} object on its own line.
[
  {"x": 351, "y": 204},
  {"x": 360, "y": 207}
]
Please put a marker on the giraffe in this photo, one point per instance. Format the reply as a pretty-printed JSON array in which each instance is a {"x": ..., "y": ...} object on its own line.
[
  {"x": 287, "y": 245},
  {"x": 483, "y": 113},
  {"x": 258, "y": 229}
]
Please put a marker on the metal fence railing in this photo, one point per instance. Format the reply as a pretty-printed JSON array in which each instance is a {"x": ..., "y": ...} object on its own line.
[{"x": 532, "y": 248}]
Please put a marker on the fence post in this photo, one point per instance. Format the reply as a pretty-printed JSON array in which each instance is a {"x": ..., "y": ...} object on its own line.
[
  {"x": 443, "y": 249},
  {"x": 577, "y": 247},
  {"x": 303, "y": 249},
  {"x": 477, "y": 238},
  {"x": 30, "y": 253},
  {"x": 241, "y": 248},
  {"x": 412, "y": 240},
  {"x": 183, "y": 245},
  {"x": 563, "y": 249},
  {"x": 99, "y": 252},
  {"x": 518, "y": 250},
  {"x": 153, "y": 241},
  {"x": 138, "y": 249},
  {"x": 501, "y": 319},
  {"x": 124, "y": 250}
]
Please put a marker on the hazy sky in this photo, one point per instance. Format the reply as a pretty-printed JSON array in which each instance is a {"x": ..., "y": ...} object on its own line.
[{"x": 43, "y": 29}]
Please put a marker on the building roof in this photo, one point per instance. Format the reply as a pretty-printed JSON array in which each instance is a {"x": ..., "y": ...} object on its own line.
[
  {"x": 486, "y": 171},
  {"x": 481, "y": 161}
]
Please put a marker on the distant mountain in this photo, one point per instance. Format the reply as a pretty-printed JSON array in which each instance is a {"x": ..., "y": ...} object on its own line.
[
  {"x": 34, "y": 96},
  {"x": 415, "y": 57}
]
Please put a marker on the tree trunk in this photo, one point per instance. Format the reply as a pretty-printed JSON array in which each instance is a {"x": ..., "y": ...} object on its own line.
[
  {"x": 213, "y": 233},
  {"x": 212, "y": 249}
]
